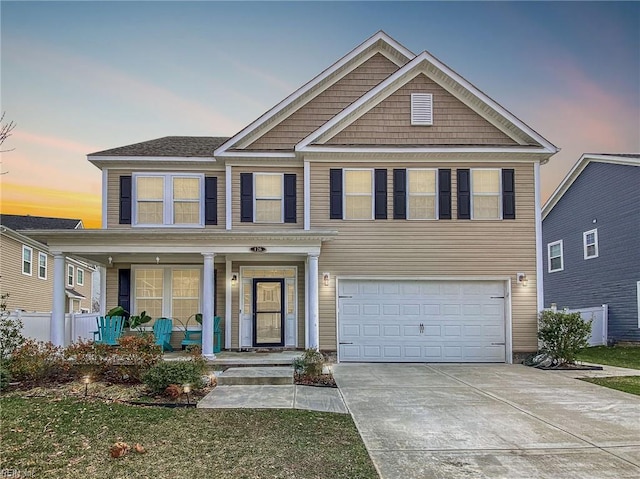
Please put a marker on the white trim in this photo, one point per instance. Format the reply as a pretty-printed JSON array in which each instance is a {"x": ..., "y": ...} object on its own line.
[
  {"x": 46, "y": 260},
  {"x": 349, "y": 57},
  {"x": 539, "y": 256},
  {"x": 549, "y": 245},
  {"x": 228, "y": 267},
  {"x": 30, "y": 262},
  {"x": 435, "y": 194},
  {"x": 228, "y": 198},
  {"x": 307, "y": 195},
  {"x": 254, "y": 176},
  {"x": 577, "y": 169},
  {"x": 70, "y": 269},
  {"x": 472, "y": 194},
  {"x": 508, "y": 323},
  {"x": 163, "y": 159},
  {"x": 105, "y": 197},
  {"x": 344, "y": 194},
  {"x": 78, "y": 271},
  {"x": 420, "y": 150},
  {"x": 258, "y": 154},
  {"x": 595, "y": 243}
]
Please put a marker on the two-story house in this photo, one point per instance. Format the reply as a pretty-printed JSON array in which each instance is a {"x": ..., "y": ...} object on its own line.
[
  {"x": 387, "y": 210},
  {"x": 26, "y": 267},
  {"x": 591, "y": 233}
]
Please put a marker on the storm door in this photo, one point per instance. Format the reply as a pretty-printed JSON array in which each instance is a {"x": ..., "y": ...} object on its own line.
[{"x": 268, "y": 312}]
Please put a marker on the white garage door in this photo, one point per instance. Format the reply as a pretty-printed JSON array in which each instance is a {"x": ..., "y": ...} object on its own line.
[{"x": 421, "y": 321}]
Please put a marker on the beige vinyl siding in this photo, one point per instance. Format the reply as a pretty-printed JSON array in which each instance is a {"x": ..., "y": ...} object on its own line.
[
  {"x": 235, "y": 298},
  {"x": 113, "y": 194},
  {"x": 389, "y": 123},
  {"x": 326, "y": 105},
  {"x": 430, "y": 248},
  {"x": 235, "y": 201},
  {"x": 85, "y": 289}
]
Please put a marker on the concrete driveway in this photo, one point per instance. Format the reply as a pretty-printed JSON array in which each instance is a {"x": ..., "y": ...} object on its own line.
[{"x": 490, "y": 421}]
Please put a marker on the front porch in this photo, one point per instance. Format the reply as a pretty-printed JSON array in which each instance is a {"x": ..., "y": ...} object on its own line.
[{"x": 228, "y": 359}]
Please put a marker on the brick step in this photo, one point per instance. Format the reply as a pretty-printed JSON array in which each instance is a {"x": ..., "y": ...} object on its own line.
[{"x": 269, "y": 375}]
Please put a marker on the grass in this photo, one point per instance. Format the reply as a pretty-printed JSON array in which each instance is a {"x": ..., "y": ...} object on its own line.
[
  {"x": 70, "y": 438},
  {"x": 628, "y": 384},
  {"x": 624, "y": 357}
]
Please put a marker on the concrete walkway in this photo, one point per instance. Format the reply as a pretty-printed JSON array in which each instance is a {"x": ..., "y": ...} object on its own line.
[{"x": 490, "y": 421}]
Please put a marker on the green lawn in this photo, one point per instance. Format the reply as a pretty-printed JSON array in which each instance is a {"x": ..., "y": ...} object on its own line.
[
  {"x": 628, "y": 384},
  {"x": 70, "y": 438},
  {"x": 624, "y": 357}
]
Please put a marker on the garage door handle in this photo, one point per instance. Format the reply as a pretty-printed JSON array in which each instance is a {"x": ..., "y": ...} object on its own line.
[
  {"x": 341, "y": 342},
  {"x": 348, "y": 297},
  {"x": 497, "y": 344}
]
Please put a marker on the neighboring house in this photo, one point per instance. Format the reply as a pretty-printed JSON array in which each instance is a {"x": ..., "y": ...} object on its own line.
[
  {"x": 387, "y": 210},
  {"x": 591, "y": 233},
  {"x": 26, "y": 267}
]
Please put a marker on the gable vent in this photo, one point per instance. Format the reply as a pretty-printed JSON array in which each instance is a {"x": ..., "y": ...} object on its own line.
[{"x": 421, "y": 109}]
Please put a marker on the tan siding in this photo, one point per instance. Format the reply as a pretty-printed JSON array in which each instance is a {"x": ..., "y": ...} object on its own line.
[
  {"x": 113, "y": 196},
  {"x": 25, "y": 292},
  {"x": 389, "y": 123},
  {"x": 326, "y": 105},
  {"x": 235, "y": 201},
  {"x": 85, "y": 289},
  {"x": 403, "y": 248}
]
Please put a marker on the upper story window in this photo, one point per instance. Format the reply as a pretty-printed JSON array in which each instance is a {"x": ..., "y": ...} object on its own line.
[
  {"x": 486, "y": 194},
  {"x": 422, "y": 109},
  {"x": 168, "y": 199},
  {"x": 268, "y": 198},
  {"x": 555, "y": 256},
  {"x": 27, "y": 260},
  {"x": 358, "y": 194},
  {"x": 422, "y": 187},
  {"x": 42, "y": 265},
  {"x": 80, "y": 277},
  {"x": 590, "y": 242},
  {"x": 70, "y": 269}
]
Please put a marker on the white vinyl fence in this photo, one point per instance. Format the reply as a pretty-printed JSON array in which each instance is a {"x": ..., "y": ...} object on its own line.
[
  {"x": 38, "y": 325},
  {"x": 599, "y": 317}
]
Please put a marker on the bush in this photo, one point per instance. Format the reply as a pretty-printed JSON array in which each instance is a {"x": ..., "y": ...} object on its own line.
[
  {"x": 36, "y": 361},
  {"x": 309, "y": 364},
  {"x": 10, "y": 330},
  {"x": 563, "y": 335},
  {"x": 166, "y": 373},
  {"x": 5, "y": 378}
]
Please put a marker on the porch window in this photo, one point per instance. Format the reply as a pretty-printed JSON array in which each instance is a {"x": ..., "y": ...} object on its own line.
[
  {"x": 70, "y": 269},
  {"x": 421, "y": 194},
  {"x": 590, "y": 242},
  {"x": 149, "y": 285},
  {"x": 485, "y": 194},
  {"x": 27, "y": 260},
  {"x": 168, "y": 199},
  {"x": 42, "y": 265},
  {"x": 185, "y": 293},
  {"x": 358, "y": 194},
  {"x": 554, "y": 253},
  {"x": 269, "y": 188}
]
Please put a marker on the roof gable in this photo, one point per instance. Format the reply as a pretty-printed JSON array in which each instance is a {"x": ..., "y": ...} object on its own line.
[
  {"x": 379, "y": 43},
  {"x": 450, "y": 81},
  {"x": 629, "y": 159}
]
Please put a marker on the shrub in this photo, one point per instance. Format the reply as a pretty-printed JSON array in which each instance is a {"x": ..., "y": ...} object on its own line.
[
  {"x": 166, "y": 373},
  {"x": 10, "y": 330},
  {"x": 309, "y": 364},
  {"x": 35, "y": 361},
  {"x": 563, "y": 335},
  {"x": 5, "y": 378}
]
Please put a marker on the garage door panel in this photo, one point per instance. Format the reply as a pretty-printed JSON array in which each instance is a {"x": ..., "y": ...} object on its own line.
[{"x": 397, "y": 321}]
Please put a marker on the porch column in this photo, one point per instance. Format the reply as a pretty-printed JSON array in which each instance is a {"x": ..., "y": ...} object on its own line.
[
  {"x": 103, "y": 291},
  {"x": 57, "y": 314},
  {"x": 313, "y": 323},
  {"x": 208, "y": 302}
]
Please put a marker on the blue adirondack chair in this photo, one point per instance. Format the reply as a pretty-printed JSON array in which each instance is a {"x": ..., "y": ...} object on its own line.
[
  {"x": 109, "y": 330},
  {"x": 162, "y": 333},
  {"x": 195, "y": 336}
]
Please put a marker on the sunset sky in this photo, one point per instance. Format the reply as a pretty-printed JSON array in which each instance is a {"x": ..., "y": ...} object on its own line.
[{"x": 79, "y": 77}]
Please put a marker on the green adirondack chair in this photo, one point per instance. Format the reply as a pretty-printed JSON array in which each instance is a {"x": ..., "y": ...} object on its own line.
[
  {"x": 195, "y": 336},
  {"x": 109, "y": 330},
  {"x": 162, "y": 333}
]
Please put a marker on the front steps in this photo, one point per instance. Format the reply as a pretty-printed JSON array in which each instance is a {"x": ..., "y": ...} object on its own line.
[{"x": 256, "y": 376}]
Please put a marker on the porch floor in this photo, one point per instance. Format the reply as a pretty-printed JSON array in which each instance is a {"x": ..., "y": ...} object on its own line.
[{"x": 227, "y": 359}]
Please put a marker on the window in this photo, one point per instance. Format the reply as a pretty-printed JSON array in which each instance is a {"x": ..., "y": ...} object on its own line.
[
  {"x": 185, "y": 292},
  {"x": 358, "y": 194},
  {"x": 269, "y": 188},
  {"x": 421, "y": 194},
  {"x": 80, "y": 277},
  {"x": 590, "y": 242},
  {"x": 70, "y": 269},
  {"x": 165, "y": 199},
  {"x": 485, "y": 194},
  {"x": 27, "y": 260},
  {"x": 149, "y": 285},
  {"x": 554, "y": 253},
  {"x": 421, "y": 109},
  {"x": 42, "y": 265}
]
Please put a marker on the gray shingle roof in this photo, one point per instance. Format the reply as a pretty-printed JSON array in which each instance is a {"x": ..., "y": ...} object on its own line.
[
  {"x": 181, "y": 146},
  {"x": 28, "y": 222}
]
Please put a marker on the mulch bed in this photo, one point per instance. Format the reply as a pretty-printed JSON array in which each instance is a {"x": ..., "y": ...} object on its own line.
[
  {"x": 570, "y": 367},
  {"x": 324, "y": 380}
]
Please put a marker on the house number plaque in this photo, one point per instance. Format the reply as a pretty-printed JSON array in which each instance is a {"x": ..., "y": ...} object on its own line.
[{"x": 258, "y": 249}]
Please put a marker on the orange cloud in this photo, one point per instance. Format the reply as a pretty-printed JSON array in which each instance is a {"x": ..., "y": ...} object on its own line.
[{"x": 53, "y": 142}]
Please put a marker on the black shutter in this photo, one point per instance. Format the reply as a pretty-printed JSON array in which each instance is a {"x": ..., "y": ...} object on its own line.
[
  {"x": 444, "y": 194},
  {"x": 125, "y": 200},
  {"x": 246, "y": 197},
  {"x": 211, "y": 200},
  {"x": 289, "y": 198},
  {"x": 335, "y": 194},
  {"x": 381, "y": 194},
  {"x": 124, "y": 289},
  {"x": 508, "y": 194},
  {"x": 399, "y": 194},
  {"x": 464, "y": 194}
]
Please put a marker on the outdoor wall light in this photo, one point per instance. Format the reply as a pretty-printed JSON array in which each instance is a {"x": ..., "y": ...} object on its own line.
[
  {"x": 522, "y": 279},
  {"x": 234, "y": 279},
  {"x": 110, "y": 260},
  {"x": 157, "y": 259},
  {"x": 325, "y": 278}
]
